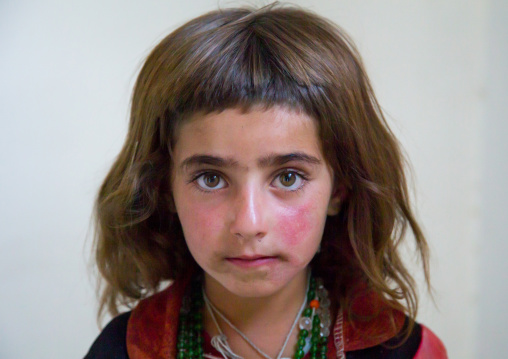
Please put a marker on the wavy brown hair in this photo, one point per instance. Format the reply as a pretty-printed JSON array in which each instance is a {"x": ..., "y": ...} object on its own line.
[{"x": 239, "y": 58}]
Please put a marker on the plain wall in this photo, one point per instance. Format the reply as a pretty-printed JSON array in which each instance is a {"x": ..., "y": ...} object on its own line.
[
  {"x": 66, "y": 73},
  {"x": 492, "y": 244}
]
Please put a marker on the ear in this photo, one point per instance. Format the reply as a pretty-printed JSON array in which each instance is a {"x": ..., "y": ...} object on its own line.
[
  {"x": 333, "y": 206},
  {"x": 336, "y": 200}
]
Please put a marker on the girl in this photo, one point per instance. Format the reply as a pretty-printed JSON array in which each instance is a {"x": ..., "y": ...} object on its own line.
[{"x": 259, "y": 177}]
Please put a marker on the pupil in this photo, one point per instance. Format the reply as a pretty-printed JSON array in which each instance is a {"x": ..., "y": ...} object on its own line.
[{"x": 288, "y": 179}]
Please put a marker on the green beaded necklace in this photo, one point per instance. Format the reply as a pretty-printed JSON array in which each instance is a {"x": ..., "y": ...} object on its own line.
[{"x": 315, "y": 322}]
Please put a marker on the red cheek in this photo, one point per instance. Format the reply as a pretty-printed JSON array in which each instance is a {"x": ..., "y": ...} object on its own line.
[
  {"x": 203, "y": 223},
  {"x": 295, "y": 223}
]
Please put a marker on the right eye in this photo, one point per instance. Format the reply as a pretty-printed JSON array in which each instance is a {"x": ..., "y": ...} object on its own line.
[{"x": 210, "y": 181}]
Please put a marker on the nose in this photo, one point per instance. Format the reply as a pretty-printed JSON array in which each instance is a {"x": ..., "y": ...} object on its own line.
[{"x": 249, "y": 214}]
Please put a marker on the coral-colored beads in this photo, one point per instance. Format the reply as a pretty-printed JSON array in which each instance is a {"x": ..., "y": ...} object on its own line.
[{"x": 314, "y": 304}]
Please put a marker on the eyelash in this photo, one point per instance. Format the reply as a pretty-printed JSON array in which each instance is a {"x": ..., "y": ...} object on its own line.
[{"x": 299, "y": 174}]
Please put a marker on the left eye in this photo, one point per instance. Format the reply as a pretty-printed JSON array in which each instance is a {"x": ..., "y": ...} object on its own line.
[
  {"x": 288, "y": 181},
  {"x": 210, "y": 181}
]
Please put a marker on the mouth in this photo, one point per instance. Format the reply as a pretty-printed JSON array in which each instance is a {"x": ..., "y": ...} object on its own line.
[{"x": 252, "y": 261}]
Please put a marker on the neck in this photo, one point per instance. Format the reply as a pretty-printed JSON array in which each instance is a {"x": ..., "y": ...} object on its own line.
[
  {"x": 274, "y": 305},
  {"x": 265, "y": 320}
]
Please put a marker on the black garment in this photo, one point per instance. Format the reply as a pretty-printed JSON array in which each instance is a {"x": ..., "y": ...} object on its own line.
[
  {"x": 392, "y": 349},
  {"x": 112, "y": 344}
]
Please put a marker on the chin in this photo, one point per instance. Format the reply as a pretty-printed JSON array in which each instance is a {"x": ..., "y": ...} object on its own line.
[
  {"x": 252, "y": 290},
  {"x": 258, "y": 285},
  {"x": 253, "y": 285}
]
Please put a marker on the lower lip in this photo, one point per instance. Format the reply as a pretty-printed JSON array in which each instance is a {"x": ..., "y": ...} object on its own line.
[{"x": 252, "y": 263}]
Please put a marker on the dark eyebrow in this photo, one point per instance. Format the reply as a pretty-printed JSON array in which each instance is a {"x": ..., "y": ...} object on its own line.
[
  {"x": 208, "y": 160},
  {"x": 279, "y": 160},
  {"x": 272, "y": 160}
]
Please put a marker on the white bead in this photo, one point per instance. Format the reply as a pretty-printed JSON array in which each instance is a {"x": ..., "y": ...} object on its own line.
[
  {"x": 322, "y": 293},
  {"x": 305, "y": 323},
  {"x": 319, "y": 283},
  {"x": 325, "y": 303},
  {"x": 324, "y": 332},
  {"x": 325, "y": 322},
  {"x": 325, "y": 312}
]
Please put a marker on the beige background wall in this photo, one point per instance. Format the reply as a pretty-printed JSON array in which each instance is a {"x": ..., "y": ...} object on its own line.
[{"x": 66, "y": 71}]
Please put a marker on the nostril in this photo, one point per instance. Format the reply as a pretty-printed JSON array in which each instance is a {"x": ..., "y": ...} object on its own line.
[{"x": 257, "y": 236}]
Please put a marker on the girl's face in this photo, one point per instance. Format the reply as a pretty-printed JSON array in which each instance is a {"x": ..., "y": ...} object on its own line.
[{"x": 252, "y": 192}]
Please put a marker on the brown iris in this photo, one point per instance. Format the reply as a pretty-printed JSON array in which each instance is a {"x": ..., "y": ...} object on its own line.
[
  {"x": 287, "y": 179},
  {"x": 211, "y": 180}
]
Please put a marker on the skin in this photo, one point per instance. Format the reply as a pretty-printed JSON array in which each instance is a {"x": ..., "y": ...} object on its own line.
[{"x": 252, "y": 192}]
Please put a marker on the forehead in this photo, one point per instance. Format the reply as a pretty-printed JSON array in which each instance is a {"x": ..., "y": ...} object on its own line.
[{"x": 248, "y": 135}]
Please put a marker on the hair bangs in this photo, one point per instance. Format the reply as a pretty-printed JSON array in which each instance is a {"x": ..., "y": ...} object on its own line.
[{"x": 240, "y": 64}]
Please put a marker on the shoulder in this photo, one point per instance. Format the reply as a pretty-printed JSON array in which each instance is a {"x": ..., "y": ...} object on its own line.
[
  {"x": 377, "y": 330},
  {"x": 430, "y": 346},
  {"x": 111, "y": 343},
  {"x": 394, "y": 348}
]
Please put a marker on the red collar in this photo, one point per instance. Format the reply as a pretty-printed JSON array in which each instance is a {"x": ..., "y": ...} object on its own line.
[{"x": 153, "y": 324}]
